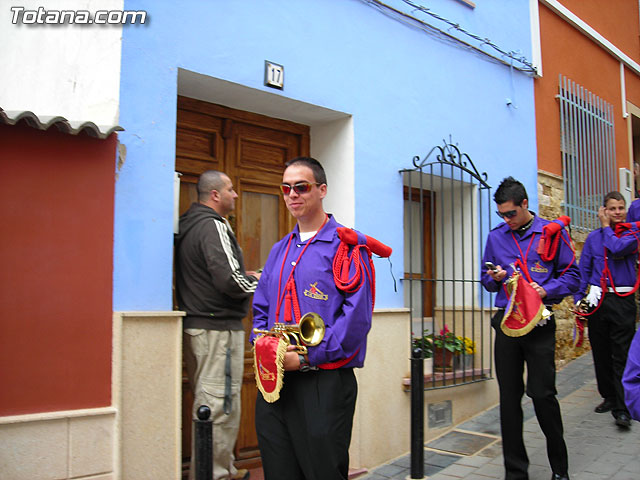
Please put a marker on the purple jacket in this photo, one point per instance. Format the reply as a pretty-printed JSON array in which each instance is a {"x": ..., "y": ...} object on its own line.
[
  {"x": 559, "y": 277},
  {"x": 347, "y": 316},
  {"x": 631, "y": 378},
  {"x": 633, "y": 214},
  {"x": 622, "y": 257}
]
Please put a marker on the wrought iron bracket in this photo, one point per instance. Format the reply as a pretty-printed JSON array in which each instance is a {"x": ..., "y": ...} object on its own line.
[{"x": 449, "y": 154}]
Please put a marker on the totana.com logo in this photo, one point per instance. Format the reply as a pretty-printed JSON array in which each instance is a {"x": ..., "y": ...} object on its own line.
[{"x": 82, "y": 17}]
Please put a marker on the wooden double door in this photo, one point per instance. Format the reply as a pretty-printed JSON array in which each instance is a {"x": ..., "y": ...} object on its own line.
[{"x": 251, "y": 149}]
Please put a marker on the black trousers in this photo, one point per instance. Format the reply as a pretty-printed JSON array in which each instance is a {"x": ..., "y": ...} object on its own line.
[
  {"x": 611, "y": 330},
  {"x": 537, "y": 349},
  {"x": 305, "y": 434}
]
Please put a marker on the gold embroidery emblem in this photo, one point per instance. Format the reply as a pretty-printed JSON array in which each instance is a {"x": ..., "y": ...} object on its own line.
[
  {"x": 314, "y": 292},
  {"x": 516, "y": 315},
  {"x": 265, "y": 374},
  {"x": 539, "y": 268}
]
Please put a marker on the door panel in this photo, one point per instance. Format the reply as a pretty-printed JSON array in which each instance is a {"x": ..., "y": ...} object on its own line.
[
  {"x": 198, "y": 145},
  {"x": 199, "y": 142},
  {"x": 188, "y": 192},
  {"x": 251, "y": 149},
  {"x": 259, "y": 225},
  {"x": 262, "y": 150}
]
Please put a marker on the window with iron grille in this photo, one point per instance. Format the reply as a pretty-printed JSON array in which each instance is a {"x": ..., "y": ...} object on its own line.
[
  {"x": 588, "y": 152},
  {"x": 447, "y": 212}
]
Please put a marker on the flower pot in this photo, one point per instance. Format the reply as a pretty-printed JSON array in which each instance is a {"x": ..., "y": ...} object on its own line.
[
  {"x": 468, "y": 361},
  {"x": 442, "y": 359},
  {"x": 428, "y": 366},
  {"x": 463, "y": 361}
]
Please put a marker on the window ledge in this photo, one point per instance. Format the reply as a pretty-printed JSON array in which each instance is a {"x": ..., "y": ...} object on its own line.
[{"x": 463, "y": 376}]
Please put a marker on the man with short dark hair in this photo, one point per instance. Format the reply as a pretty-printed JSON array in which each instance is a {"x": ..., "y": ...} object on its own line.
[
  {"x": 214, "y": 290},
  {"x": 514, "y": 245},
  {"x": 306, "y": 432},
  {"x": 609, "y": 262}
]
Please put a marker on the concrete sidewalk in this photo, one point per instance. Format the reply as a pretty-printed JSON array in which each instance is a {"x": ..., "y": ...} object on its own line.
[{"x": 598, "y": 449}]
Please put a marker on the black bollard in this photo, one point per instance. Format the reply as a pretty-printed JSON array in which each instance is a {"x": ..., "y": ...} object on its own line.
[
  {"x": 417, "y": 414},
  {"x": 203, "y": 428}
]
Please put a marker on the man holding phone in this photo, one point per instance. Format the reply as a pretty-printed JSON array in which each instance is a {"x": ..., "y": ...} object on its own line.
[
  {"x": 491, "y": 266},
  {"x": 513, "y": 245}
]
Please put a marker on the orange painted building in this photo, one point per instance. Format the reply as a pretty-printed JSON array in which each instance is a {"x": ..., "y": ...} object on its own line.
[{"x": 597, "y": 48}]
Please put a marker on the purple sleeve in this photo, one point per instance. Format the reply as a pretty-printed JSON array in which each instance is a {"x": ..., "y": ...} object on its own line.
[
  {"x": 489, "y": 256},
  {"x": 625, "y": 245},
  {"x": 260, "y": 305},
  {"x": 346, "y": 336},
  {"x": 631, "y": 378},
  {"x": 633, "y": 215}
]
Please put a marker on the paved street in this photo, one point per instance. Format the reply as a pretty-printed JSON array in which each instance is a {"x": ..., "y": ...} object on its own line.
[{"x": 598, "y": 449}]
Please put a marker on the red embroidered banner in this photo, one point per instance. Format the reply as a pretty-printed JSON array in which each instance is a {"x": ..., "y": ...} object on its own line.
[
  {"x": 268, "y": 365},
  {"x": 524, "y": 310}
]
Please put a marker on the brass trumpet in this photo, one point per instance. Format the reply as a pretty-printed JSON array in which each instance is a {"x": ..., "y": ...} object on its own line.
[{"x": 309, "y": 332}]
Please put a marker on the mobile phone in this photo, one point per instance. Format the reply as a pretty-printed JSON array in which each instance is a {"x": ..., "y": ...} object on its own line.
[{"x": 490, "y": 266}]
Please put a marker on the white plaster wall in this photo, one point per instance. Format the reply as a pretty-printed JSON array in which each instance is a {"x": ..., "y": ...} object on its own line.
[
  {"x": 67, "y": 70},
  {"x": 382, "y": 422},
  {"x": 332, "y": 145}
]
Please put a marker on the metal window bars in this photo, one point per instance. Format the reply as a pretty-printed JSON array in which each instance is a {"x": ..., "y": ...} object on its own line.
[
  {"x": 447, "y": 218},
  {"x": 588, "y": 152}
]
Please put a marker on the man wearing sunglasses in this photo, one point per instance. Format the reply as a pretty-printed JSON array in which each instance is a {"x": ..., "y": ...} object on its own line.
[
  {"x": 306, "y": 432},
  {"x": 514, "y": 244}
]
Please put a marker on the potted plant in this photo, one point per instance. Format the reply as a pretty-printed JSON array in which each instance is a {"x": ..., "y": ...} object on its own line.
[
  {"x": 465, "y": 356},
  {"x": 425, "y": 343},
  {"x": 445, "y": 346}
]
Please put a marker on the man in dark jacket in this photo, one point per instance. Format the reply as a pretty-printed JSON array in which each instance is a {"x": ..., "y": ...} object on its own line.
[{"x": 214, "y": 290}]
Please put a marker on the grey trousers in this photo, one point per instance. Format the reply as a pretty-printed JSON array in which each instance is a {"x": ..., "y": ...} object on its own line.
[{"x": 212, "y": 378}]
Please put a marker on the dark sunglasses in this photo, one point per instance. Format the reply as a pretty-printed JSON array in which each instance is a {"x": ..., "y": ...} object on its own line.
[
  {"x": 509, "y": 214},
  {"x": 299, "y": 188}
]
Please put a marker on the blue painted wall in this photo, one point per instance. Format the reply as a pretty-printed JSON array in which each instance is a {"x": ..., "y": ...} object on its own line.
[{"x": 406, "y": 89}]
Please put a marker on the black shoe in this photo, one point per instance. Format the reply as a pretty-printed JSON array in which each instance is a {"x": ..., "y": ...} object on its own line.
[
  {"x": 605, "y": 406},
  {"x": 557, "y": 476},
  {"x": 623, "y": 420}
]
